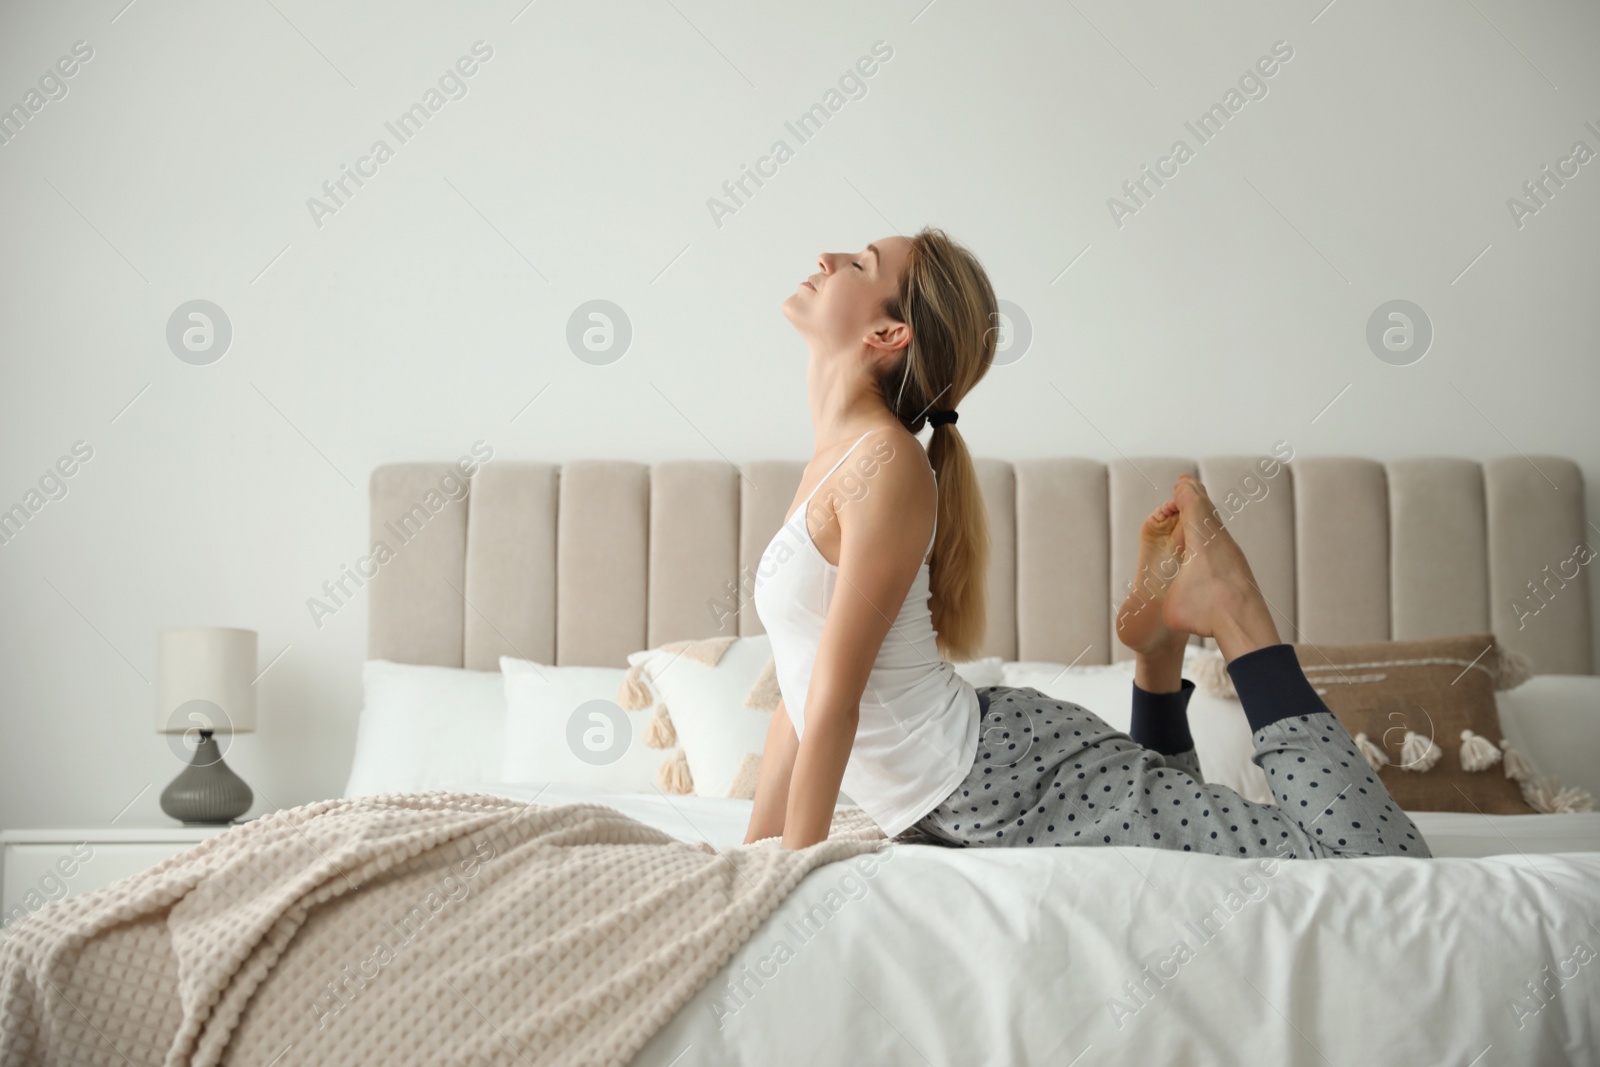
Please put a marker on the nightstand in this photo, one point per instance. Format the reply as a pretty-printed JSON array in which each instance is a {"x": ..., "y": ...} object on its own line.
[{"x": 45, "y": 865}]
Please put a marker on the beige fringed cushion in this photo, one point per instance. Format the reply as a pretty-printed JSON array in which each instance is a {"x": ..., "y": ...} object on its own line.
[
  {"x": 714, "y": 699},
  {"x": 1423, "y": 715},
  {"x": 634, "y": 694}
]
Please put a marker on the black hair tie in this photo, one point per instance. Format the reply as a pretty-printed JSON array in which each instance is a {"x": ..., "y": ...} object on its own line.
[{"x": 939, "y": 418}]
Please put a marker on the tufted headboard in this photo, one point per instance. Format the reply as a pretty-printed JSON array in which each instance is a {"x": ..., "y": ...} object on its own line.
[{"x": 585, "y": 562}]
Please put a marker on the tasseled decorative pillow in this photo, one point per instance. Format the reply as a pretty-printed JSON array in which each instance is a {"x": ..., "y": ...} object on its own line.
[{"x": 713, "y": 700}]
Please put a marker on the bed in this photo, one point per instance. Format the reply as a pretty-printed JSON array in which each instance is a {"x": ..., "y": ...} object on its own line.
[
  {"x": 589, "y": 561},
  {"x": 609, "y": 557},
  {"x": 1480, "y": 955}
]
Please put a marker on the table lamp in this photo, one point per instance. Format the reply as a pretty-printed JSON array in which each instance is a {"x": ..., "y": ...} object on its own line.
[{"x": 206, "y": 686}]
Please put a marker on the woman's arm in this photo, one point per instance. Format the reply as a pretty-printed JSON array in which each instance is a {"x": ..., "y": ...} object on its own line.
[
  {"x": 818, "y": 771},
  {"x": 772, "y": 787},
  {"x": 880, "y": 553}
]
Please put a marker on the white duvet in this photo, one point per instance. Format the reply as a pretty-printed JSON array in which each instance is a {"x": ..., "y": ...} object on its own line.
[{"x": 1485, "y": 954}]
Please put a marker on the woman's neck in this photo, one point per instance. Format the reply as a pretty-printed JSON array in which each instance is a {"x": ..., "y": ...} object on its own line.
[{"x": 844, "y": 403}]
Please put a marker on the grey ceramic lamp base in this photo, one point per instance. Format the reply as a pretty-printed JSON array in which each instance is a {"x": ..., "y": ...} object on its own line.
[{"x": 206, "y": 792}]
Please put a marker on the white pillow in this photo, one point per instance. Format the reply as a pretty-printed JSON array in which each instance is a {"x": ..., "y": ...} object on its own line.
[
  {"x": 721, "y": 739},
  {"x": 1223, "y": 743},
  {"x": 563, "y": 725},
  {"x": 1554, "y": 720},
  {"x": 426, "y": 728},
  {"x": 1107, "y": 688},
  {"x": 1220, "y": 730}
]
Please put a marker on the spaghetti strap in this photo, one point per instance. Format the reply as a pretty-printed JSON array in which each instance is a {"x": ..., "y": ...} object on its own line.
[
  {"x": 801, "y": 509},
  {"x": 831, "y": 469}
]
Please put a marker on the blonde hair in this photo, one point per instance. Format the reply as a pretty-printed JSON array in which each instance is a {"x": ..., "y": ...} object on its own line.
[{"x": 946, "y": 299}]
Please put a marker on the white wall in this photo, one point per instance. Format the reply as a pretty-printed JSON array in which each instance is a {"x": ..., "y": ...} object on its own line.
[{"x": 1225, "y": 315}]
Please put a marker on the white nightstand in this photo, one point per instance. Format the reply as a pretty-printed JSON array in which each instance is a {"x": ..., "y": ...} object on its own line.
[{"x": 44, "y": 865}]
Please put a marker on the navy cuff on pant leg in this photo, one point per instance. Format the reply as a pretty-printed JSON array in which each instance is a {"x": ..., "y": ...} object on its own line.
[
  {"x": 1161, "y": 720},
  {"x": 1272, "y": 686}
]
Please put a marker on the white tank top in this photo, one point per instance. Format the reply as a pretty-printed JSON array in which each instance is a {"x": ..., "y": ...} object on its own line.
[{"x": 917, "y": 733}]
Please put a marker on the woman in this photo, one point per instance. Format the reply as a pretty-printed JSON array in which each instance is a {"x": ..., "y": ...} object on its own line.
[{"x": 898, "y": 334}]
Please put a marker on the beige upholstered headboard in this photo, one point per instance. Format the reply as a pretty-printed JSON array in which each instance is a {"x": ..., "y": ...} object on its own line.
[{"x": 583, "y": 563}]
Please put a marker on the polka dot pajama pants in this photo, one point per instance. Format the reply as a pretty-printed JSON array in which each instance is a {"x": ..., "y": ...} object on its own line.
[{"x": 1051, "y": 772}]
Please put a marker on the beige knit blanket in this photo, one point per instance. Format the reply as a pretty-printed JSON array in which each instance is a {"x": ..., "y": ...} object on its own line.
[{"x": 426, "y": 928}]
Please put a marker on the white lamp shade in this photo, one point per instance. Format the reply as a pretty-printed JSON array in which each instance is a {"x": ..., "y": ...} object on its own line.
[{"x": 213, "y": 664}]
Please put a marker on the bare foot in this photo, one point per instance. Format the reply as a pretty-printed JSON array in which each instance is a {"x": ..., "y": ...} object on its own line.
[
  {"x": 1215, "y": 592},
  {"x": 1140, "y": 622}
]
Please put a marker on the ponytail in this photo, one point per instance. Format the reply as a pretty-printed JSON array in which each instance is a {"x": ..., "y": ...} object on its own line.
[{"x": 947, "y": 300}]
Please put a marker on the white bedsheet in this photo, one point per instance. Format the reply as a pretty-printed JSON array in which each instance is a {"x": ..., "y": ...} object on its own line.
[{"x": 923, "y": 955}]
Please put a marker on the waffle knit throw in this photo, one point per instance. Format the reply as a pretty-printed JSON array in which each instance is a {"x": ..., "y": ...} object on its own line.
[{"x": 426, "y": 928}]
